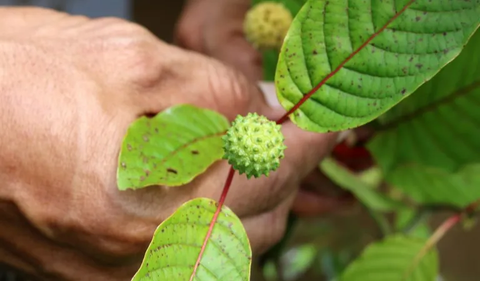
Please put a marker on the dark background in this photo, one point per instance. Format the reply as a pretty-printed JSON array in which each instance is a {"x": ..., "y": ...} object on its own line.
[{"x": 158, "y": 16}]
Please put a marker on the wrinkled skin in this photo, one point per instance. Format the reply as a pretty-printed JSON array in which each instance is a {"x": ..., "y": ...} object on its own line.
[{"x": 69, "y": 88}]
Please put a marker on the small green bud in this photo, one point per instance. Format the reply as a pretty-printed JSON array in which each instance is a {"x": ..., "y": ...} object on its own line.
[
  {"x": 266, "y": 25},
  {"x": 254, "y": 145}
]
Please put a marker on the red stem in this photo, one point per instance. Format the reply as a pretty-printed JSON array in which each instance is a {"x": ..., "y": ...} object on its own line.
[
  {"x": 440, "y": 232},
  {"x": 223, "y": 196},
  {"x": 312, "y": 91},
  {"x": 282, "y": 120}
]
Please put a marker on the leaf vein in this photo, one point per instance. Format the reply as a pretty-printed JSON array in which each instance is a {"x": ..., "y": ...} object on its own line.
[{"x": 431, "y": 106}]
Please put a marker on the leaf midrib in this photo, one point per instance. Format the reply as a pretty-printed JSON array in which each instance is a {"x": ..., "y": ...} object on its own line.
[
  {"x": 180, "y": 148},
  {"x": 430, "y": 107}
]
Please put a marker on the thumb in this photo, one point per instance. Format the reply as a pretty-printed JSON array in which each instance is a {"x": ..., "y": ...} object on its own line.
[{"x": 189, "y": 77}]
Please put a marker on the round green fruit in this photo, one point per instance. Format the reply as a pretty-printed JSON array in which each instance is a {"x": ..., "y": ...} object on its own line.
[
  {"x": 254, "y": 145},
  {"x": 266, "y": 25}
]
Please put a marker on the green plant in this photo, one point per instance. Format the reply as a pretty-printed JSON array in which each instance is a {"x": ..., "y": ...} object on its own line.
[
  {"x": 343, "y": 64},
  {"x": 254, "y": 145}
]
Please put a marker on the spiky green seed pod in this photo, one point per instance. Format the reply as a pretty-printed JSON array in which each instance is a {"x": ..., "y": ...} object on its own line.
[
  {"x": 254, "y": 145},
  {"x": 266, "y": 25}
]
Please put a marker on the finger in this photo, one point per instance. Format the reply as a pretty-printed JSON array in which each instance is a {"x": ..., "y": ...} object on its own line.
[
  {"x": 318, "y": 196},
  {"x": 224, "y": 39},
  {"x": 238, "y": 53},
  {"x": 267, "y": 229},
  {"x": 188, "y": 31},
  {"x": 187, "y": 77}
]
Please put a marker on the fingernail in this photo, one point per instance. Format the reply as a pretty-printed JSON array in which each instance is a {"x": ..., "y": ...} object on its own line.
[
  {"x": 268, "y": 90},
  {"x": 343, "y": 135}
]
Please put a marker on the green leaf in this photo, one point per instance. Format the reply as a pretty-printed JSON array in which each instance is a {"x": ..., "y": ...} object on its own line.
[
  {"x": 420, "y": 227},
  {"x": 171, "y": 148},
  {"x": 334, "y": 262},
  {"x": 328, "y": 45},
  {"x": 296, "y": 261},
  {"x": 176, "y": 245},
  {"x": 394, "y": 259},
  {"x": 362, "y": 191},
  {"x": 428, "y": 146},
  {"x": 434, "y": 186}
]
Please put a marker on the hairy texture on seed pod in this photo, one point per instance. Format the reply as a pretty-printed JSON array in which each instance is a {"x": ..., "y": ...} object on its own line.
[
  {"x": 254, "y": 145},
  {"x": 266, "y": 25}
]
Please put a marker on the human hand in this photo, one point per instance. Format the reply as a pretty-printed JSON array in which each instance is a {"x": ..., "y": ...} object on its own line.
[
  {"x": 69, "y": 89},
  {"x": 215, "y": 28}
]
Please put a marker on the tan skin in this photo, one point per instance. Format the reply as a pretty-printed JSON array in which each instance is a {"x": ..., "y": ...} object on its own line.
[{"x": 69, "y": 88}]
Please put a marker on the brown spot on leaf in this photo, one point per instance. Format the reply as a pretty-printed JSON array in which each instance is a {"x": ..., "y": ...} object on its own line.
[
  {"x": 129, "y": 147},
  {"x": 173, "y": 171},
  {"x": 195, "y": 152}
]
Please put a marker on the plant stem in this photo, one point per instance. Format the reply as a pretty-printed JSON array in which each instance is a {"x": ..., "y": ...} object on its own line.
[
  {"x": 440, "y": 233},
  {"x": 381, "y": 221},
  {"x": 223, "y": 196},
  {"x": 433, "y": 240}
]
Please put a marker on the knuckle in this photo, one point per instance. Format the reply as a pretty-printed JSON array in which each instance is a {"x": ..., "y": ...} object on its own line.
[
  {"x": 143, "y": 63},
  {"x": 222, "y": 79},
  {"x": 103, "y": 237},
  {"x": 134, "y": 50}
]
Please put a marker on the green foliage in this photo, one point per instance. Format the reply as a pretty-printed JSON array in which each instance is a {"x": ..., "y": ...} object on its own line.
[
  {"x": 296, "y": 261},
  {"x": 366, "y": 194},
  {"x": 387, "y": 69},
  {"x": 171, "y": 148},
  {"x": 177, "y": 242},
  {"x": 428, "y": 145},
  {"x": 413, "y": 223},
  {"x": 394, "y": 259}
]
